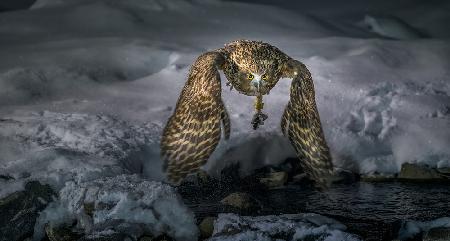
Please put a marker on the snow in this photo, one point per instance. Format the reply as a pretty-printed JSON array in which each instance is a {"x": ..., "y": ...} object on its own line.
[
  {"x": 73, "y": 147},
  {"x": 382, "y": 102},
  {"x": 99, "y": 135},
  {"x": 126, "y": 204},
  {"x": 411, "y": 228},
  {"x": 55, "y": 167},
  {"x": 282, "y": 227}
]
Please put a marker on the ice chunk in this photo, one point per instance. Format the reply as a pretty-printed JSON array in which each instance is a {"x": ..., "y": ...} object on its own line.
[
  {"x": 282, "y": 227},
  {"x": 126, "y": 204},
  {"x": 411, "y": 228}
]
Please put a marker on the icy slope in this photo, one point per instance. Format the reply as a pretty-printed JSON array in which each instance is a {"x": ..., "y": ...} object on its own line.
[{"x": 382, "y": 102}]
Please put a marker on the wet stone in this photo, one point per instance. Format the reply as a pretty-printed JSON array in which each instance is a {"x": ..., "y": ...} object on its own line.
[
  {"x": 206, "y": 227},
  {"x": 240, "y": 200},
  {"x": 61, "y": 233},
  {"x": 417, "y": 172},
  {"x": 274, "y": 179},
  {"x": 437, "y": 234},
  {"x": 19, "y": 210}
]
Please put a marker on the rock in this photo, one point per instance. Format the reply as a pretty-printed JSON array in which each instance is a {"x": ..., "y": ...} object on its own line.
[
  {"x": 19, "y": 210},
  {"x": 300, "y": 178},
  {"x": 417, "y": 172},
  {"x": 344, "y": 176},
  {"x": 106, "y": 237},
  {"x": 61, "y": 233},
  {"x": 89, "y": 208},
  {"x": 163, "y": 237},
  {"x": 444, "y": 171},
  {"x": 437, "y": 234},
  {"x": 146, "y": 238},
  {"x": 207, "y": 227},
  {"x": 240, "y": 200},
  {"x": 291, "y": 166},
  {"x": 274, "y": 179},
  {"x": 377, "y": 177},
  {"x": 201, "y": 178},
  {"x": 6, "y": 177}
]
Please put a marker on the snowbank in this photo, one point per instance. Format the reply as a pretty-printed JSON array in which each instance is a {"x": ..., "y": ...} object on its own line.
[
  {"x": 55, "y": 148},
  {"x": 283, "y": 227},
  {"x": 55, "y": 166},
  {"x": 99, "y": 135},
  {"x": 125, "y": 204}
]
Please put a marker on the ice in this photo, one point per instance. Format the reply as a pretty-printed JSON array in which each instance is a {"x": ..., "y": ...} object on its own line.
[
  {"x": 282, "y": 227},
  {"x": 411, "y": 228},
  {"x": 126, "y": 204}
]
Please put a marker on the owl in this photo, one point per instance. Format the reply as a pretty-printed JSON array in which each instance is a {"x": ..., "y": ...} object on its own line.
[{"x": 253, "y": 68}]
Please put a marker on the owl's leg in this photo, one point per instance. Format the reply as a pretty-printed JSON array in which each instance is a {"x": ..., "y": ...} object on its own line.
[{"x": 301, "y": 125}]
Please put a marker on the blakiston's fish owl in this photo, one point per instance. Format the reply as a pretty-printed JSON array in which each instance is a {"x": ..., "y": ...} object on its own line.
[{"x": 253, "y": 68}]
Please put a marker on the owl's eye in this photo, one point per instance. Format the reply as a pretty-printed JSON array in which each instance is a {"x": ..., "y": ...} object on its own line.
[
  {"x": 264, "y": 77},
  {"x": 250, "y": 76}
]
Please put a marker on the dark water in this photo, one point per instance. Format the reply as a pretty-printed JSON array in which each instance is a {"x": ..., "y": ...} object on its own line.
[
  {"x": 374, "y": 211},
  {"x": 379, "y": 201}
]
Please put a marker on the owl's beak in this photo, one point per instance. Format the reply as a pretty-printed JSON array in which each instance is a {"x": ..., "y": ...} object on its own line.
[{"x": 257, "y": 84}]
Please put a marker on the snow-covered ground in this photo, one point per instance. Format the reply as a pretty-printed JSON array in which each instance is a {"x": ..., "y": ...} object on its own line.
[
  {"x": 86, "y": 86},
  {"x": 383, "y": 102}
]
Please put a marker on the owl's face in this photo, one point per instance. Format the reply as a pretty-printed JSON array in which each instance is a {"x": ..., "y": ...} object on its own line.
[
  {"x": 253, "y": 68},
  {"x": 257, "y": 79}
]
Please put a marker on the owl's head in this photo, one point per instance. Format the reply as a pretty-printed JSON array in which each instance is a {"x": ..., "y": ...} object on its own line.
[{"x": 253, "y": 68}]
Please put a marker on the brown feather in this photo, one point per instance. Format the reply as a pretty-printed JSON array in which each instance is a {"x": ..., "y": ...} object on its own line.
[{"x": 193, "y": 131}]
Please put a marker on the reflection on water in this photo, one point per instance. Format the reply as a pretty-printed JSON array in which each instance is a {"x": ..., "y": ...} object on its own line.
[{"x": 378, "y": 201}]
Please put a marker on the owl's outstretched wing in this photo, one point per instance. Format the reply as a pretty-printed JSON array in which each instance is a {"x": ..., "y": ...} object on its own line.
[
  {"x": 301, "y": 124},
  {"x": 194, "y": 130}
]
